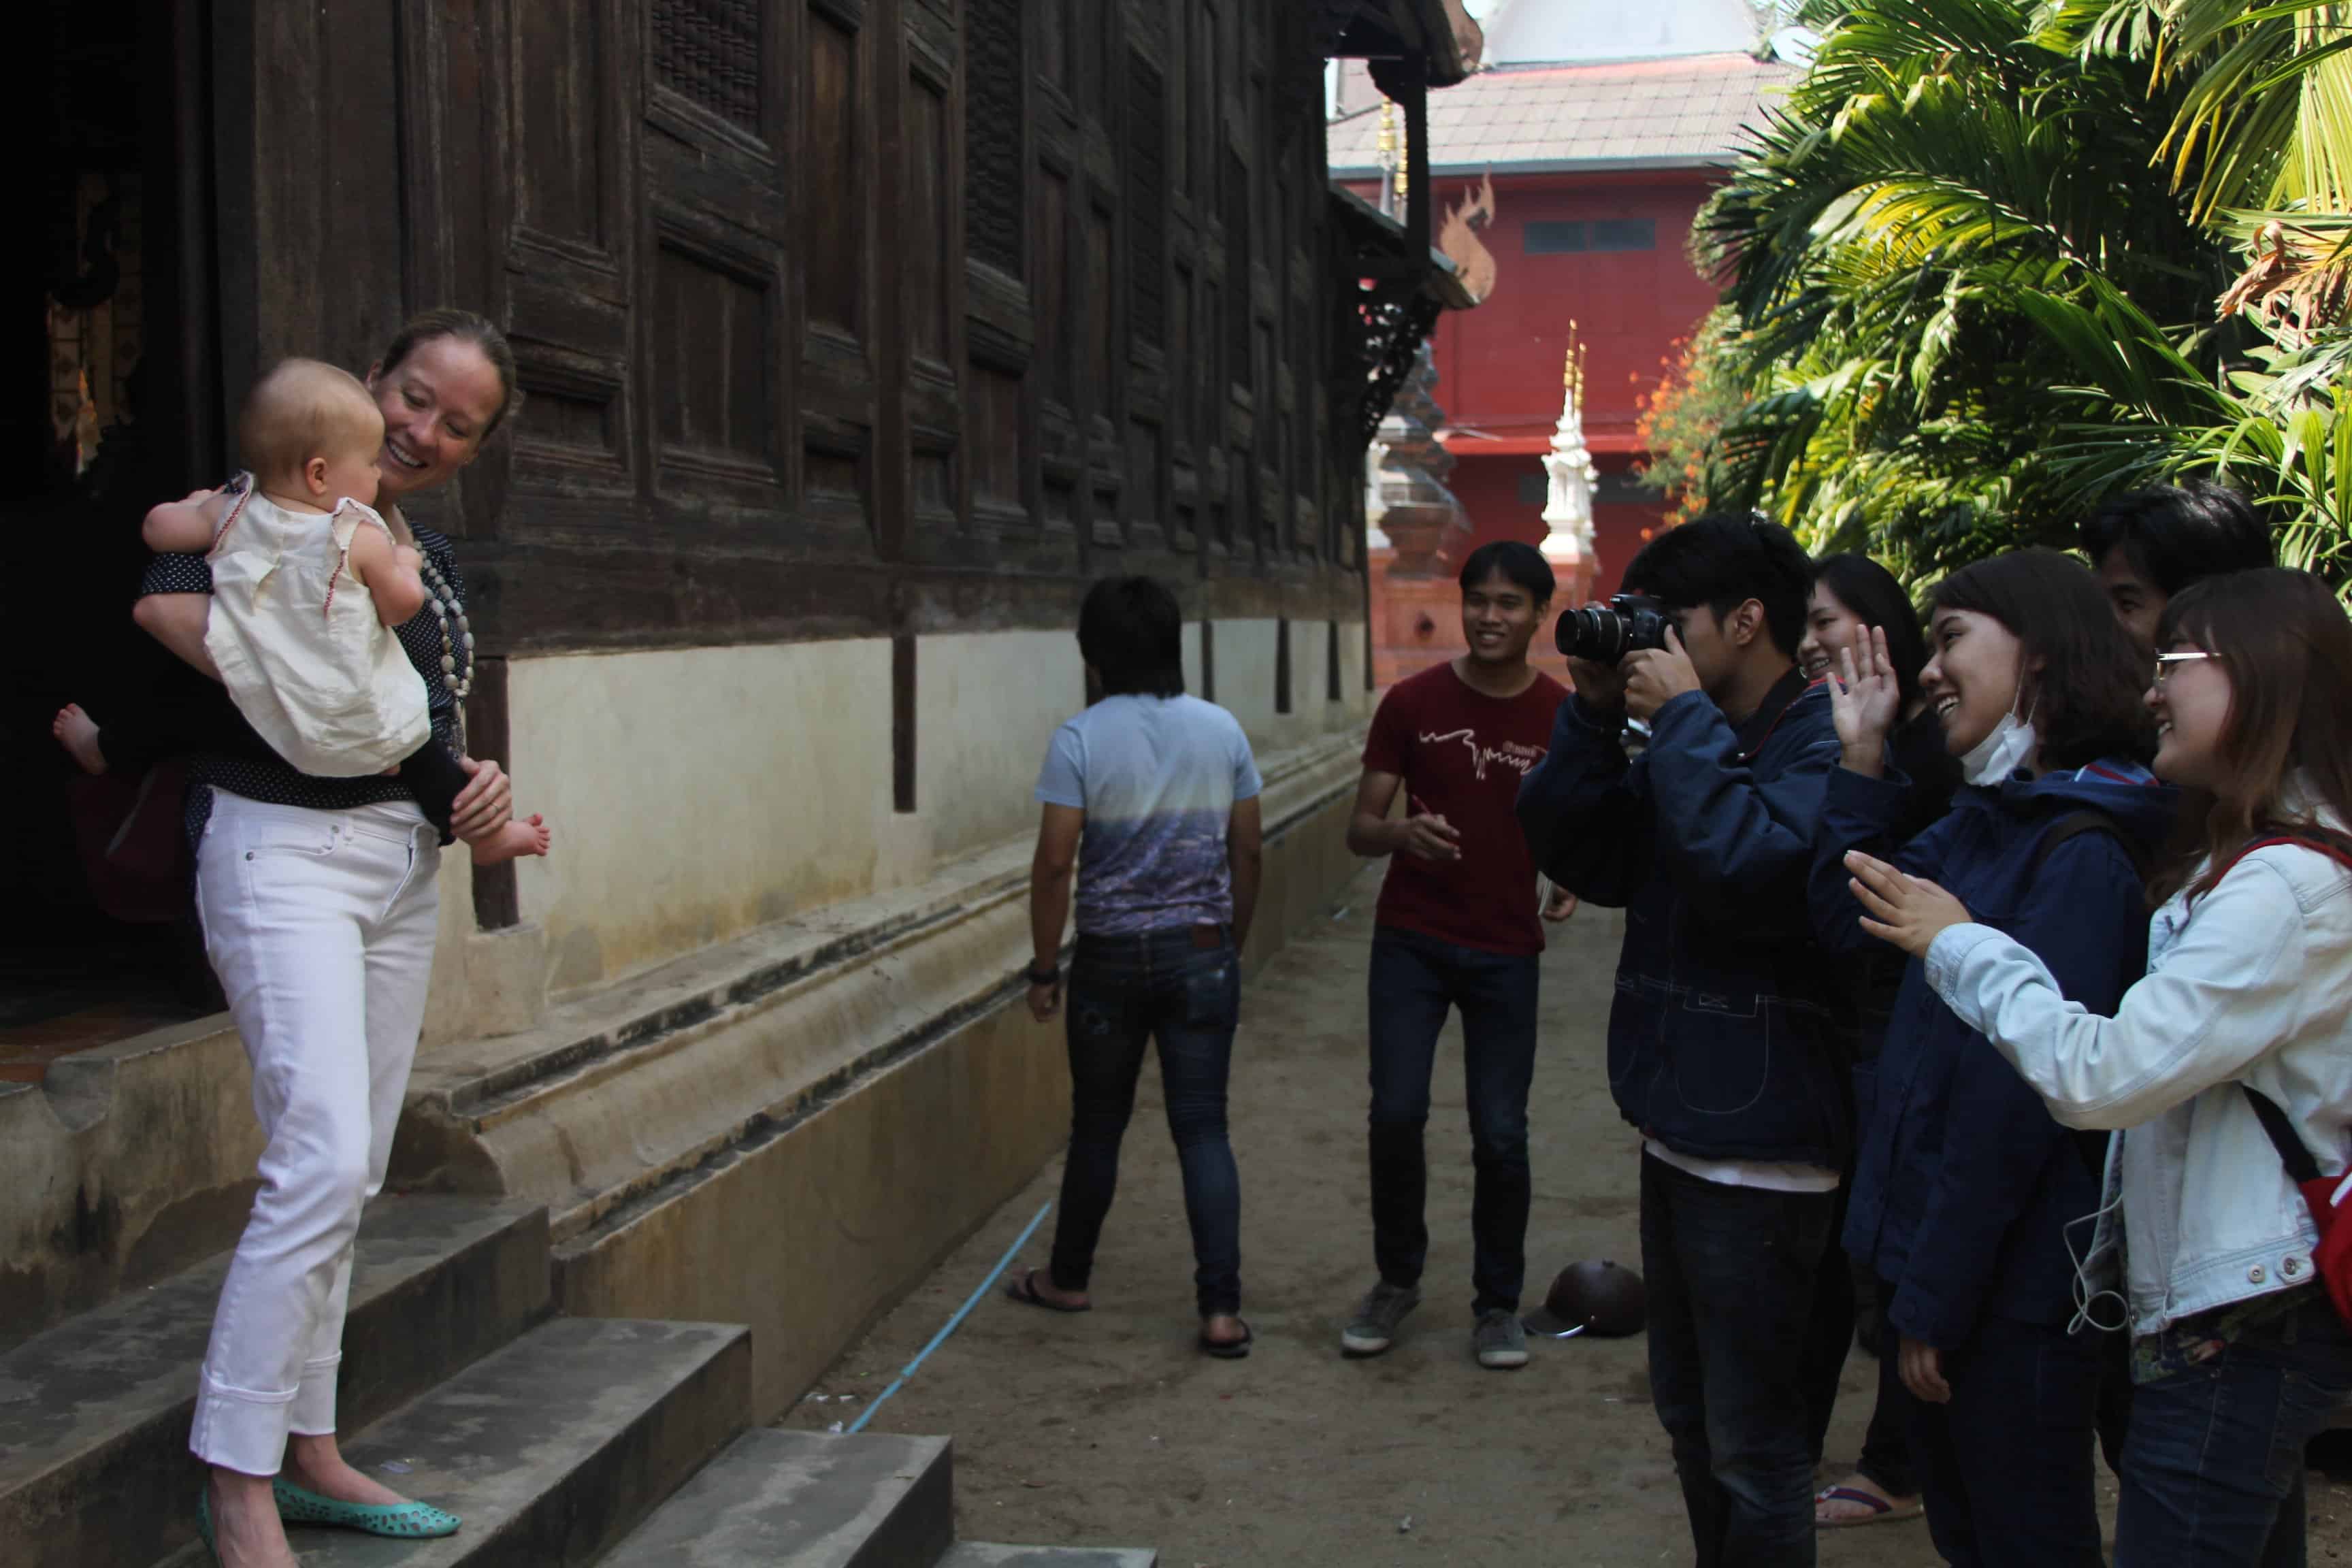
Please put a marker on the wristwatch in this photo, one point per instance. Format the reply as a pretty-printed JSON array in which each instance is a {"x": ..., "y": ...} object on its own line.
[{"x": 1050, "y": 975}]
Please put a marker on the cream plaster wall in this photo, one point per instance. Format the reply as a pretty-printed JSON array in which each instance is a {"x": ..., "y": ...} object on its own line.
[
  {"x": 1245, "y": 676},
  {"x": 1247, "y": 655},
  {"x": 696, "y": 793},
  {"x": 986, "y": 704}
]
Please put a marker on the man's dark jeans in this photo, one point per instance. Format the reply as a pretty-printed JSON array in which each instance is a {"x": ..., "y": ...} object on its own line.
[
  {"x": 1183, "y": 990},
  {"x": 1414, "y": 980},
  {"x": 2005, "y": 1466},
  {"x": 2213, "y": 1459},
  {"x": 1731, "y": 1274}
]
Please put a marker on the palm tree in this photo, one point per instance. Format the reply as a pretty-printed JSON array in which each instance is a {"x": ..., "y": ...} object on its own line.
[{"x": 1973, "y": 265}]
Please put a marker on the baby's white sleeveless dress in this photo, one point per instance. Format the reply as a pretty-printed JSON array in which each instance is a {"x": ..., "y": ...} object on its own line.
[{"x": 297, "y": 641}]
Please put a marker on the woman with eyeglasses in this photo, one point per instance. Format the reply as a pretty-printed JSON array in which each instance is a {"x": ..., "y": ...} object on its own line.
[{"x": 2230, "y": 1061}]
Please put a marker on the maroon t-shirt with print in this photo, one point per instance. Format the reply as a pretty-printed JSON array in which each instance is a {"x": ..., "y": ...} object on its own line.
[{"x": 1462, "y": 755}]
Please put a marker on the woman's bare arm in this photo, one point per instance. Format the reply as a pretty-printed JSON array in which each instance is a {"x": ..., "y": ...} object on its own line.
[{"x": 177, "y": 621}]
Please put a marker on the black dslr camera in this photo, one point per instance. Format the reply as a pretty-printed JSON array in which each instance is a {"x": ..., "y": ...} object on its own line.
[{"x": 1603, "y": 634}]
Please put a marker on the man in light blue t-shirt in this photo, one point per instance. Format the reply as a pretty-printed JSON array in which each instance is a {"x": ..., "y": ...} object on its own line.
[{"x": 1150, "y": 797}]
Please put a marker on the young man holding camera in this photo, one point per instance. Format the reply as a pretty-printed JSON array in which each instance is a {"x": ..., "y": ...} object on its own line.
[
  {"x": 1456, "y": 927},
  {"x": 1721, "y": 1038}
]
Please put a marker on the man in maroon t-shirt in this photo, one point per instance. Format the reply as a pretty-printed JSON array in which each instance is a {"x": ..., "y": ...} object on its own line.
[{"x": 1458, "y": 927}]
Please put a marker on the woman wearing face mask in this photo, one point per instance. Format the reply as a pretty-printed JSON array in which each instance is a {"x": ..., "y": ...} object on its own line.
[
  {"x": 320, "y": 912},
  {"x": 2238, "y": 1357},
  {"x": 1853, "y": 594},
  {"x": 1962, "y": 1183}
]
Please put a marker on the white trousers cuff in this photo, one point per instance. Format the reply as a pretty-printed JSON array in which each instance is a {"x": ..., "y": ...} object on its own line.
[
  {"x": 313, "y": 1411},
  {"x": 240, "y": 1429}
]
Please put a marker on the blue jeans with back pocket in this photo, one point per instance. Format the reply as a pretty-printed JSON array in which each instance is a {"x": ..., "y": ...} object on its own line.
[{"x": 1181, "y": 987}]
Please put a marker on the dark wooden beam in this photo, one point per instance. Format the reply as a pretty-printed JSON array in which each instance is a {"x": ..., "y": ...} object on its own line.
[{"x": 498, "y": 903}]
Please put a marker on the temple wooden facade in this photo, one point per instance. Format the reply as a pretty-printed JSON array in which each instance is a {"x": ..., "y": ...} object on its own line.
[
  {"x": 837, "y": 317},
  {"x": 855, "y": 337}
]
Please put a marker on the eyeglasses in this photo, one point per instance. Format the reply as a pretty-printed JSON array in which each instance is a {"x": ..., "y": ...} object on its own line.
[{"x": 2165, "y": 661}]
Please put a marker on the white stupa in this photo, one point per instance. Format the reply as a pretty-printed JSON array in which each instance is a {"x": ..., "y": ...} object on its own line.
[{"x": 1568, "y": 506}]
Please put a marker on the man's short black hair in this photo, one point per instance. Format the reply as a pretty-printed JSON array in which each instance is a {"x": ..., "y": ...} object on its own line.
[
  {"x": 1515, "y": 561},
  {"x": 2175, "y": 535},
  {"x": 1131, "y": 630},
  {"x": 1724, "y": 560}
]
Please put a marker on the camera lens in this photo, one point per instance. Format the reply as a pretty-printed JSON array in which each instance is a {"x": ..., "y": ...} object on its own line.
[{"x": 1594, "y": 633}]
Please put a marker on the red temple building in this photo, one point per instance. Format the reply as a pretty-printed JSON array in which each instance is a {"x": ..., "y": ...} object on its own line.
[{"x": 1603, "y": 126}]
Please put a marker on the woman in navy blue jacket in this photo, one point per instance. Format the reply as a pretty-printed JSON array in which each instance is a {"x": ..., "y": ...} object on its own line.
[{"x": 1963, "y": 1184}]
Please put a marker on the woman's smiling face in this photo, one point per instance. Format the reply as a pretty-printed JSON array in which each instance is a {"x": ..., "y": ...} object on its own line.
[
  {"x": 2191, "y": 699},
  {"x": 1972, "y": 678},
  {"x": 437, "y": 404},
  {"x": 1830, "y": 629}
]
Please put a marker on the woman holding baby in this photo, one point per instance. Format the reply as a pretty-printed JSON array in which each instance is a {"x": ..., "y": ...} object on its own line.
[{"x": 319, "y": 911}]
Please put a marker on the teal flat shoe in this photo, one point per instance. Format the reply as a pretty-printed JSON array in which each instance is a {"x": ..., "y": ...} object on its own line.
[{"x": 404, "y": 1521}]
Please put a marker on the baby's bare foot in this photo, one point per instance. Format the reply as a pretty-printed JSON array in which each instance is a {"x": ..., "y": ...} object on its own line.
[
  {"x": 523, "y": 835},
  {"x": 76, "y": 731}
]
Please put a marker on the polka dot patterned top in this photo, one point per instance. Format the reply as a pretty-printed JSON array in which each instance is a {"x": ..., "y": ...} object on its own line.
[{"x": 245, "y": 765}]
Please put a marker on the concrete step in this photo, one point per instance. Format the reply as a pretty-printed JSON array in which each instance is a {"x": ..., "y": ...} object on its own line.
[
  {"x": 981, "y": 1554},
  {"x": 550, "y": 1449},
  {"x": 94, "y": 1413},
  {"x": 806, "y": 1499},
  {"x": 619, "y": 1093}
]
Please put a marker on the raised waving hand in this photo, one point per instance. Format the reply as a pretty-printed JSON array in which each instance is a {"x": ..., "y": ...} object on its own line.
[{"x": 1865, "y": 699}]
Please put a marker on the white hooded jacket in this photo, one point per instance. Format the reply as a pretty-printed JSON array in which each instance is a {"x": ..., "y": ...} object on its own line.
[{"x": 2252, "y": 984}]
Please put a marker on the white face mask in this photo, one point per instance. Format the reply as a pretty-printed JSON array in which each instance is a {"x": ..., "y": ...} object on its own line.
[{"x": 2001, "y": 753}]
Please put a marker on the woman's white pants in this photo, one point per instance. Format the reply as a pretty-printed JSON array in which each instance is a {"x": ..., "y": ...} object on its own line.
[{"x": 320, "y": 926}]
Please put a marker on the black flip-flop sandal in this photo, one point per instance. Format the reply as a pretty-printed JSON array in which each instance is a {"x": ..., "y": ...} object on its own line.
[
  {"x": 1228, "y": 1350},
  {"x": 1024, "y": 1290}
]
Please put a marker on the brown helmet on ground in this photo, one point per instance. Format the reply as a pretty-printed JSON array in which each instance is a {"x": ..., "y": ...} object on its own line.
[{"x": 1593, "y": 1297}]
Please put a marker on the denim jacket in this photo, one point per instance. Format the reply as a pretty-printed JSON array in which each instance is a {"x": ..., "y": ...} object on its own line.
[
  {"x": 2251, "y": 984},
  {"x": 1963, "y": 1184},
  {"x": 1722, "y": 1043}
]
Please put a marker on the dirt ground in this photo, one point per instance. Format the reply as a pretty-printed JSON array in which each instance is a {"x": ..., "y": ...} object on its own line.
[{"x": 1110, "y": 1429}]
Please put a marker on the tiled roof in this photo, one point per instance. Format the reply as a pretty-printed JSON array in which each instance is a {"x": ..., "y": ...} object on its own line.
[{"x": 1669, "y": 113}]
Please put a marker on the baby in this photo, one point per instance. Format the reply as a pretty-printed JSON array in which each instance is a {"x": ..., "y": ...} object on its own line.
[{"x": 308, "y": 585}]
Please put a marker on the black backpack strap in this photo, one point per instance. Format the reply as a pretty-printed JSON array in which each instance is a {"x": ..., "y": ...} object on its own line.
[
  {"x": 2291, "y": 1152},
  {"x": 2074, "y": 823}
]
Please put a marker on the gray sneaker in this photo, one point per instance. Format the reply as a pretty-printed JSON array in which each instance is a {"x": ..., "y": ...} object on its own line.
[
  {"x": 1498, "y": 1339},
  {"x": 1374, "y": 1328}
]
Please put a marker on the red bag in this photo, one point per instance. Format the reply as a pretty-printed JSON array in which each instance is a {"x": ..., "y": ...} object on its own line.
[{"x": 2324, "y": 1195}]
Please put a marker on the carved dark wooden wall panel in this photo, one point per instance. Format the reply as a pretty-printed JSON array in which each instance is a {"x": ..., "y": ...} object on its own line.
[
  {"x": 1147, "y": 200},
  {"x": 832, "y": 163},
  {"x": 1103, "y": 360},
  {"x": 561, "y": 136},
  {"x": 929, "y": 266},
  {"x": 713, "y": 333},
  {"x": 1052, "y": 21},
  {"x": 709, "y": 52},
  {"x": 567, "y": 257},
  {"x": 994, "y": 64},
  {"x": 1240, "y": 313},
  {"x": 1051, "y": 288},
  {"x": 853, "y": 317}
]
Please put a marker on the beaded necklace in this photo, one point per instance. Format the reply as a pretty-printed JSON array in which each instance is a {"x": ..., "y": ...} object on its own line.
[{"x": 447, "y": 608}]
